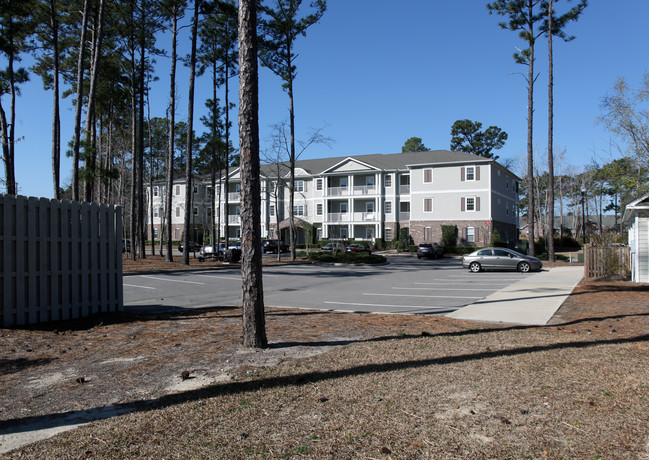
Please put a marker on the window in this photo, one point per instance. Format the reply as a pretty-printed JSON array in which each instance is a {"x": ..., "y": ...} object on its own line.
[
  {"x": 388, "y": 207},
  {"x": 299, "y": 186},
  {"x": 156, "y": 212},
  {"x": 470, "y": 235},
  {"x": 470, "y": 173},
  {"x": 195, "y": 188},
  {"x": 318, "y": 209},
  {"x": 156, "y": 191},
  {"x": 470, "y": 204},
  {"x": 369, "y": 206},
  {"x": 507, "y": 185},
  {"x": 298, "y": 210},
  {"x": 428, "y": 176},
  {"x": 195, "y": 211},
  {"x": 343, "y": 208},
  {"x": 272, "y": 210},
  {"x": 177, "y": 211},
  {"x": 388, "y": 234},
  {"x": 155, "y": 233},
  {"x": 428, "y": 205},
  {"x": 388, "y": 180},
  {"x": 177, "y": 189},
  {"x": 428, "y": 234},
  {"x": 369, "y": 181},
  {"x": 318, "y": 184}
]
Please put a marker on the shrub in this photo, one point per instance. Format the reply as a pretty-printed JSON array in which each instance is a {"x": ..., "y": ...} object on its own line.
[
  {"x": 348, "y": 257},
  {"x": 449, "y": 236}
]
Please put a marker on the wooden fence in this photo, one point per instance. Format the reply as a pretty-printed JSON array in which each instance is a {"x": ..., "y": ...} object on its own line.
[
  {"x": 60, "y": 260},
  {"x": 607, "y": 261}
]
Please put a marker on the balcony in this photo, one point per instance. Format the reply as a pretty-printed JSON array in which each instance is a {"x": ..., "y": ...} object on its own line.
[
  {"x": 364, "y": 189},
  {"x": 234, "y": 196},
  {"x": 337, "y": 191},
  {"x": 365, "y": 216},
  {"x": 404, "y": 216},
  {"x": 236, "y": 220},
  {"x": 338, "y": 217},
  {"x": 404, "y": 189}
]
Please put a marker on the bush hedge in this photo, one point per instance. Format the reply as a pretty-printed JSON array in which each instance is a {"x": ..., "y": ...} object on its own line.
[{"x": 348, "y": 257}]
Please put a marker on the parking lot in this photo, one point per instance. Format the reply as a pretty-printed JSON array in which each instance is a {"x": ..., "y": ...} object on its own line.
[{"x": 405, "y": 285}]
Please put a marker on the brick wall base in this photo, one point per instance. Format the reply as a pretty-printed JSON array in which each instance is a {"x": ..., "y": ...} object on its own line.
[{"x": 482, "y": 231}]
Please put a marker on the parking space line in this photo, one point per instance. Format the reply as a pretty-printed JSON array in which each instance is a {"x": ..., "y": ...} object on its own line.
[
  {"x": 387, "y": 306},
  {"x": 171, "y": 280},
  {"x": 423, "y": 296},
  {"x": 221, "y": 277},
  {"x": 440, "y": 289},
  {"x": 141, "y": 287}
]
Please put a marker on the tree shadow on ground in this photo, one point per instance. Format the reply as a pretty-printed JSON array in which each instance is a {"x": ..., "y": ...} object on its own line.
[{"x": 19, "y": 425}]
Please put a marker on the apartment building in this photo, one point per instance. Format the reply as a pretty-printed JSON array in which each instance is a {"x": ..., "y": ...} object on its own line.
[{"x": 363, "y": 198}]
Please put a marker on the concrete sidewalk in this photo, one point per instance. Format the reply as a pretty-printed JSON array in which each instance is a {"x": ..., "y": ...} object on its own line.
[{"x": 530, "y": 301}]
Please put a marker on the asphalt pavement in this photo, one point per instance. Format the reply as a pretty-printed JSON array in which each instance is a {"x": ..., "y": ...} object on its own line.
[{"x": 405, "y": 285}]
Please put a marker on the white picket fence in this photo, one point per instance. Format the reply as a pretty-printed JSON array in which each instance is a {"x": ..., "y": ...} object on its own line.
[{"x": 60, "y": 260}]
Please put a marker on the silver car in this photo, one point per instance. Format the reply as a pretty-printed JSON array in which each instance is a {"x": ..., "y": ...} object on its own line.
[{"x": 500, "y": 259}]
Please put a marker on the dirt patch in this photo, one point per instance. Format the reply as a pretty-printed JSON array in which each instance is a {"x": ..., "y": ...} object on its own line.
[{"x": 86, "y": 368}]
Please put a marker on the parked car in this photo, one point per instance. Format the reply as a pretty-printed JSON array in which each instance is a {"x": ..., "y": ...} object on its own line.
[
  {"x": 331, "y": 247},
  {"x": 500, "y": 259},
  {"x": 235, "y": 245},
  {"x": 355, "y": 247},
  {"x": 193, "y": 247},
  {"x": 430, "y": 250},
  {"x": 270, "y": 246}
]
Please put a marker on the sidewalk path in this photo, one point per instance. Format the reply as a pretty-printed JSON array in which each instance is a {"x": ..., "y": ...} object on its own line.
[{"x": 532, "y": 301}]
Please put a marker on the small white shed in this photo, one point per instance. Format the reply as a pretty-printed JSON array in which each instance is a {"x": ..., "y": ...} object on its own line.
[{"x": 638, "y": 238}]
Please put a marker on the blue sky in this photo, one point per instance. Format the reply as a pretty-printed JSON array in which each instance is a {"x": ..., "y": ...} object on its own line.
[{"x": 375, "y": 72}]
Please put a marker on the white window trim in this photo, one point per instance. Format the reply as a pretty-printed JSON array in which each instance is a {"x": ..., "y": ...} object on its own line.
[
  {"x": 388, "y": 180},
  {"x": 466, "y": 174},
  {"x": 472, "y": 240},
  {"x": 388, "y": 204},
  {"x": 466, "y": 203},
  {"x": 424, "y": 206},
  {"x": 431, "y": 176}
]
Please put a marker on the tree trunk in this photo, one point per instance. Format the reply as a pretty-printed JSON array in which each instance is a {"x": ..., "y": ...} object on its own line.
[
  {"x": 90, "y": 153},
  {"x": 56, "y": 117},
  {"x": 76, "y": 143},
  {"x": 190, "y": 138},
  {"x": 291, "y": 206},
  {"x": 172, "y": 127},
  {"x": 140, "y": 140},
  {"x": 530, "y": 146},
  {"x": 254, "y": 327},
  {"x": 550, "y": 136}
]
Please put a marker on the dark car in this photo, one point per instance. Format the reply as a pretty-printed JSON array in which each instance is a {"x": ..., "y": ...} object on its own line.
[
  {"x": 358, "y": 248},
  {"x": 500, "y": 259},
  {"x": 193, "y": 247},
  {"x": 430, "y": 250},
  {"x": 270, "y": 246}
]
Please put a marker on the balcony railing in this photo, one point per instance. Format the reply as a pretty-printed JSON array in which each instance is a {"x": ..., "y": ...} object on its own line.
[
  {"x": 364, "y": 189},
  {"x": 234, "y": 219},
  {"x": 337, "y": 191},
  {"x": 404, "y": 216},
  {"x": 338, "y": 217},
  {"x": 365, "y": 217},
  {"x": 234, "y": 196},
  {"x": 404, "y": 189}
]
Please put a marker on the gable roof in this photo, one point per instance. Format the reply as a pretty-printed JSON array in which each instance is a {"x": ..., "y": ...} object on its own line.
[
  {"x": 386, "y": 162},
  {"x": 630, "y": 209}
]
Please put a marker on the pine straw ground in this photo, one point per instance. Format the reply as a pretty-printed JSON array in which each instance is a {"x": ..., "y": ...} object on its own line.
[{"x": 344, "y": 386}]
